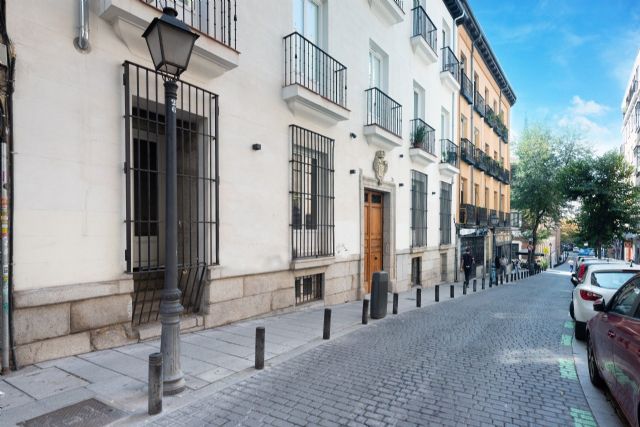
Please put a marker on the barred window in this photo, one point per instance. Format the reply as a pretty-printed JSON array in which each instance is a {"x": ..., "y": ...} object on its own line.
[
  {"x": 312, "y": 213},
  {"x": 145, "y": 188},
  {"x": 309, "y": 288},
  {"x": 419, "y": 193},
  {"x": 445, "y": 213},
  {"x": 416, "y": 271}
]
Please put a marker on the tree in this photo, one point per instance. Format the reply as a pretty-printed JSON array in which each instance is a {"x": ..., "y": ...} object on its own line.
[
  {"x": 536, "y": 188},
  {"x": 569, "y": 232},
  {"x": 608, "y": 199}
]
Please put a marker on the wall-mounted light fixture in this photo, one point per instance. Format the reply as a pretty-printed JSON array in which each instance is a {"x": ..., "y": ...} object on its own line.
[
  {"x": 401, "y": 185},
  {"x": 353, "y": 135},
  {"x": 401, "y": 156},
  {"x": 256, "y": 147},
  {"x": 352, "y": 171}
]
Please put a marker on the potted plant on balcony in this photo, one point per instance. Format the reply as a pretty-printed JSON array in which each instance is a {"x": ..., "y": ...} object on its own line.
[{"x": 418, "y": 136}]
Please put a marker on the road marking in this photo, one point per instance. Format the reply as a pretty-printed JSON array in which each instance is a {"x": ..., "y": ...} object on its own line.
[
  {"x": 568, "y": 324},
  {"x": 566, "y": 340},
  {"x": 582, "y": 418},
  {"x": 567, "y": 369}
]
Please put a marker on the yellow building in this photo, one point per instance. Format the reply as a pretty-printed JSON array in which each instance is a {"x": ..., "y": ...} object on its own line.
[{"x": 485, "y": 102}]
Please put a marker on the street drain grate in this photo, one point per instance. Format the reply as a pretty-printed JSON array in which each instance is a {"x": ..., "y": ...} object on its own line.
[{"x": 88, "y": 413}]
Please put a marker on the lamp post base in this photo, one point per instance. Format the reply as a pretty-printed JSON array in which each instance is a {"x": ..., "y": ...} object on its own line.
[{"x": 173, "y": 378}]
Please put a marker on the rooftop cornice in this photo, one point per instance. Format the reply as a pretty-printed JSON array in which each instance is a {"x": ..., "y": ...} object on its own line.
[{"x": 481, "y": 42}]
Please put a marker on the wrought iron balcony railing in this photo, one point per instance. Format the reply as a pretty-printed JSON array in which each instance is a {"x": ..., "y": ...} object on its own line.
[
  {"x": 490, "y": 117},
  {"x": 505, "y": 219},
  {"x": 424, "y": 27},
  {"x": 423, "y": 136},
  {"x": 450, "y": 63},
  {"x": 478, "y": 104},
  {"x": 383, "y": 111},
  {"x": 481, "y": 216},
  {"x": 481, "y": 160},
  {"x": 467, "y": 214},
  {"x": 466, "y": 87},
  {"x": 214, "y": 18},
  {"x": 400, "y": 4},
  {"x": 467, "y": 151},
  {"x": 307, "y": 65},
  {"x": 449, "y": 152}
]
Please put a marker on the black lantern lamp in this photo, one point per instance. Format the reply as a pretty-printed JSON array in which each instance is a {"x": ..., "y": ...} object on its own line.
[{"x": 170, "y": 43}]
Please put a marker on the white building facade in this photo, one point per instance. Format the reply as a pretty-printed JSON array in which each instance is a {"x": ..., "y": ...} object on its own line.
[
  {"x": 630, "y": 149},
  {"x": 315, "y": 147}
]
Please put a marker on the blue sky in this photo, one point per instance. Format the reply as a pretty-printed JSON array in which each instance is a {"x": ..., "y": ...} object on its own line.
[{"x": 568, "y": 61}]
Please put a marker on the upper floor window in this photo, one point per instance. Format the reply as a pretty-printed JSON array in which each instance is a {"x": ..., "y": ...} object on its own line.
[
  {"x": 463, "y": 126},
  {"x": 377, "y": 67},
  {"x": 306, "y": 19},
  {"x": 418, "y": 101}
]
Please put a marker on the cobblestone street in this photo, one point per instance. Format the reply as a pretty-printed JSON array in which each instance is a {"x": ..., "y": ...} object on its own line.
[{"x": 499, "y": 358}]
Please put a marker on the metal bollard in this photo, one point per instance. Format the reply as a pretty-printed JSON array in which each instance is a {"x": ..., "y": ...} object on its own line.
[
  {"x": 418, "y": 297},
  {"x": 451, "y": 291},
  {"x": 490, "y": 283},
  {"x": 365, "y": 311},
  {"x": 464, "y": 289},
  {"x": 506, "y": 278},
  {"x": 437, "y": 293},
  {"x": 474, "y": 284},
  {"x": 259, "y": 347},
  {"x": 483, "y": 283},
  {"x": 326, "y": 333},
  {"x": 395, "y": 303},
  {"x": 155, "y": 384},
  {"x": 502, "y": 279}
]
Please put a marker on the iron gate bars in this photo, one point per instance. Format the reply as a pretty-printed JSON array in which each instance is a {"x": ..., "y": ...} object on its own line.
[
  {"x": 450, "y": 63},
  {"x": 307, "y": 65},
  {"x": 215, "y": 18},
  {"x": 445, "y": 213},
  {"x": 198, "y": 211},
  {"x": 312, "y": 196}
]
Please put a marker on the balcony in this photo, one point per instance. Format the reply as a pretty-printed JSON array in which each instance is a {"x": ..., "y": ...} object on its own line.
[
  {"x": 315, "y": 84},
  {"x": 481, "y": 160},
  {"x": 215, "y": 20},
  {"x": 481, "y": 216},
  {"x": 490, "y": 117},
  {"x": 425, "y": 35},
  {"x": 448, "y": 158},
  {"x": 479, "y": 104},
  {"x": 466, "y": 88},
  {"x": 467, "y": 214},
  {"x": 391, "y": 11},
  {"x": 384, "y": 120},
  {"x": 423, "y": 143},
  {"x": 505, "y": 219},
  {"x": 450, "y": 74},
  {"x": 467, "y": 151}
]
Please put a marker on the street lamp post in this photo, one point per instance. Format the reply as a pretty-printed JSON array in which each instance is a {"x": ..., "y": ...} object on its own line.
[
  {"x": 170, "y": 43},
  {"x": 494, "y": 220}
]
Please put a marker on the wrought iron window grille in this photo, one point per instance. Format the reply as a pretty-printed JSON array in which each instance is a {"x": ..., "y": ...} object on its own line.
[{"x": 198, "y": 213}]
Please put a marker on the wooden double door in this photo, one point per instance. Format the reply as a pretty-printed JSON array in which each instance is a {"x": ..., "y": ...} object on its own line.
[{"x": 373, "y": 227}]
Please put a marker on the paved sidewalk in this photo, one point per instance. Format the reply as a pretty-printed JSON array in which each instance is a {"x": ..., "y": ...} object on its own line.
[{"x": 211, "y": 360}]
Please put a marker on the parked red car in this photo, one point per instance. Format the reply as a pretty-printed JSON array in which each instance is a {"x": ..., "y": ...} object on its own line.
[{"x": 613, "y": 347}]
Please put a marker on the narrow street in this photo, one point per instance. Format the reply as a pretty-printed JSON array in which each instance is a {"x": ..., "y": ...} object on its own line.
[{"x": 498, "y": 358}]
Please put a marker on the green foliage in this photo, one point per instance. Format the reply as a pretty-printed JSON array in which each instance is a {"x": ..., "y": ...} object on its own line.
[
  {"x": 418, "y": 135},
  {"x": 537, "y": 181},
  {"x": 609, "y": 201}
]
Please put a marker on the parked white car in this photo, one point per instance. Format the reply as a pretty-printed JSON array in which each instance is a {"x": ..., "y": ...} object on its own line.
[{"x": 600, "y": 283}]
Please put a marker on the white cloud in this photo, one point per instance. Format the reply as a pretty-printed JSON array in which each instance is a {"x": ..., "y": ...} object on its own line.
[
  {"x": 580, "y": 107},
  {"x": 590, "y": 120}
]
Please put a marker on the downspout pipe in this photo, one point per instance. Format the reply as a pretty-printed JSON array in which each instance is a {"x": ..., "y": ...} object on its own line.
[{"x": 82, "y": 41}]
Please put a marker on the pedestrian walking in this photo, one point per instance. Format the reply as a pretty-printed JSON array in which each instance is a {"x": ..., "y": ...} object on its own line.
[
  {"x": 503, "y": 265},
  {"x": 466, "y": 264},
  {"x": 571, "y": 265},
  {"x": 516, "y": 265}
]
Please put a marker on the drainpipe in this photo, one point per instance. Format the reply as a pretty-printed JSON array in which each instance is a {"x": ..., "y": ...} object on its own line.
[
  {"x": 359, "y": 293},
  {"x": 82, "y": 41}
]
